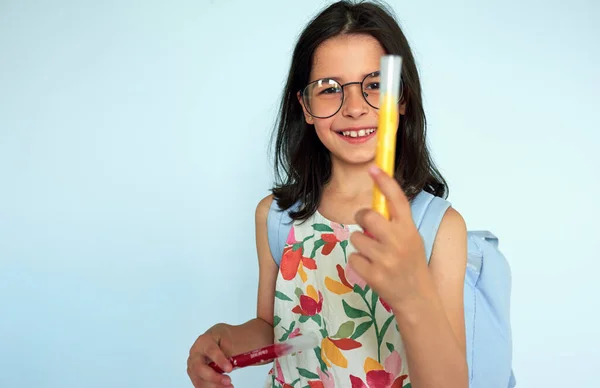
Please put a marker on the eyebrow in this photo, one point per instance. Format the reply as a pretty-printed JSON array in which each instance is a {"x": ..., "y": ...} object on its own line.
[{"x": 339, "y": 79}]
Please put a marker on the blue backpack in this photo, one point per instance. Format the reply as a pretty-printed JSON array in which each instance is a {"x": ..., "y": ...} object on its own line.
[{"x": 486, "y": 293}]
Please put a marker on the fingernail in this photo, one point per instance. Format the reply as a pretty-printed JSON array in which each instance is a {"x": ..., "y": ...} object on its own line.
[
  {"x": 374, "y": 169},
  {"x": 225, "y": 380}
]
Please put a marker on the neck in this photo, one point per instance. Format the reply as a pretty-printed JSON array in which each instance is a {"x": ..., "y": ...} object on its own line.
[{"x": 350, "y": 181}]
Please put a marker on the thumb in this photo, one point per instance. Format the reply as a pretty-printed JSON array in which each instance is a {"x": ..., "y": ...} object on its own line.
[{"x": 226, "y": 345}]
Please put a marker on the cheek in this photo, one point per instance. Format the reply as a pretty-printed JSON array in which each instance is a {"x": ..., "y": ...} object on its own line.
[{"x": 323, "y": 127}]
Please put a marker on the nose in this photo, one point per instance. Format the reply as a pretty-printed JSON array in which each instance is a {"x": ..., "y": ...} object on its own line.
[{"x": 354, "y": 104}]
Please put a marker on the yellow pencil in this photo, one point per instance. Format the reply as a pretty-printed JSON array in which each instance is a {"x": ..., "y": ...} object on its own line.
[{"x": 387, "y": 127}]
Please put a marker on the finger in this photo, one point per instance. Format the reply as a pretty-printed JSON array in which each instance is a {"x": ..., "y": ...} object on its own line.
[
  {"x": 361, "y": 265},
  {"x": 206, "y": 374},
  {"x": 398, "y": 203},
  {"x": 198, "y": 382},
  {"x": 200, "y": 372},
  {"x": 366, "y": 245},
  {"x": 374, "y": 225},
  {"x": 214, "y": 353}
]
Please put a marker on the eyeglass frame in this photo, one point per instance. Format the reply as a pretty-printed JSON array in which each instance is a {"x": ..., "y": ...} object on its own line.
[{"x": 378, "y": 72}]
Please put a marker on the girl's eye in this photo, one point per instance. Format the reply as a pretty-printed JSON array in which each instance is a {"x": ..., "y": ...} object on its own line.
[
  {"x": 372, "y": 86},
  {"x": 330, "y": 90}
]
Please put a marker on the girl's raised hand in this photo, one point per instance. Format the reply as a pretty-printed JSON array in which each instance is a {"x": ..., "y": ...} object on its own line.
[{"x": 390, "y": 254}]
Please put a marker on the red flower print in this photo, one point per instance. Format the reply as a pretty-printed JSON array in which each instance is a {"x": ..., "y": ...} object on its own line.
[
  {"x": 381, "y": 376},
  {"x": 292, "y": 263},
  {"x": 330, "y": 241},
  {"x": 310, "y": 304},
  {"x": 357, "y": 382}
]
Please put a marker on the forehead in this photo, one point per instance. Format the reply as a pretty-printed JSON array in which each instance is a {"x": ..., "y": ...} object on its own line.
[{"x": 346, "y": 57}]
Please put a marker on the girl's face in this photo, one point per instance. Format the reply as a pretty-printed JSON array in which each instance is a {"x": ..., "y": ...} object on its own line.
[{"x": 349, "y": 134}]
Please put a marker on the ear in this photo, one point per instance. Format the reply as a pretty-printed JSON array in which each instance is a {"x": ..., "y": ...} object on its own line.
[{"x": 309, "y": 119}]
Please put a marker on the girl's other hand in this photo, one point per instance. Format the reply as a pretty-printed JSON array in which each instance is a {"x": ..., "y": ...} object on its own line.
[{"x": 213, "y": 346}]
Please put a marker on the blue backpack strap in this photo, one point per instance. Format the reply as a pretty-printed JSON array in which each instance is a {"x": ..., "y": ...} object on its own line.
[
  {"x": 279, "y": 224},
  {"x": 487, "y": 313}
]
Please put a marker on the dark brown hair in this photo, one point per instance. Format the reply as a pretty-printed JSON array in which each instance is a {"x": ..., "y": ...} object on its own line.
[{"x": 302, "y": 163}]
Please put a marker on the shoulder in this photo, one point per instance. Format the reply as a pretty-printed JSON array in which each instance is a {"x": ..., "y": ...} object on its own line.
[
  {"x": 450, "y": 245},
  {"x": 453, "y": 224},
  {"x": 262, "y": 209}
]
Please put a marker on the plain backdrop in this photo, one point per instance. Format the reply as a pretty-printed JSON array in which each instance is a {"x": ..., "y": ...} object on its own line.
[{"x": 133, "y": 152}]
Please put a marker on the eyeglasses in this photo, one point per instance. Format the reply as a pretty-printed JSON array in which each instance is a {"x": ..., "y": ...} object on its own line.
[{"x": 324, "y": 97}]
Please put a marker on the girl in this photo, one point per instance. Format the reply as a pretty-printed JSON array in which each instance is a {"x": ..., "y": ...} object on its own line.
[{"x": 387, "y": 316}]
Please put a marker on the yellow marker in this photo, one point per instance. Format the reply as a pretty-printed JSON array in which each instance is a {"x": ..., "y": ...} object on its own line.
[{"x": 387, "y": 127}]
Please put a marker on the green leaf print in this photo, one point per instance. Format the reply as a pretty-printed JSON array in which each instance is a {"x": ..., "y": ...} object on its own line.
[
  {"x": 295, "y": 382},
  {"x": 303, "y": 318},
  {"x": 307, "y": 374},
  {"x": 361, "y": 329},
  {"x": 409, "y": 385},
  {"x": 318, "y": 244},
  {"x": 322, "y": 228},
  {"x": 317, "y": 319},
  {"x": 297, "y": 246},
  {"x": 298, "y": 292},
  {"x": 324, "y": 333},
  {"x": 287, "y": 332},
  {"x": 385, "y": 327},
  {"x": 344, "y": 244},
  {"x": 318, "y": 354},
  {"x": 345, "y": 330},
  {"x": 276, "y": 320},
  {"x": 390, "y": 346},
  {"x": 351, "y": 312},
  {"x": 282, "y": 296},
  {"x": 374, "y": 298},
  {"x": 308, "y": 238},
  {"x": 358, "y": 290}
]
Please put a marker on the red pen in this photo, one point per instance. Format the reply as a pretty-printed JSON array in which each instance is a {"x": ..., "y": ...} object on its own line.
[{"x": 271, "y": 352}]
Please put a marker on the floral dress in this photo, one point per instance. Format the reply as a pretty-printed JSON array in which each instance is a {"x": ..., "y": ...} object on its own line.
[{"x": 317, "y": 292}]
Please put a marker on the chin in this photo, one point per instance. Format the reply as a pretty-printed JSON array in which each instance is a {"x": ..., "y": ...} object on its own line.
[{"x": 357, "y": 159}]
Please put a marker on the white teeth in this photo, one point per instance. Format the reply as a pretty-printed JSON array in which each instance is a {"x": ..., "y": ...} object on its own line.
[{"x": 360, "y": 133}]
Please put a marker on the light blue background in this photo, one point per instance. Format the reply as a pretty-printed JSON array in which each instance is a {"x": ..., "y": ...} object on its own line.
[{"x": 133, "y": 139}]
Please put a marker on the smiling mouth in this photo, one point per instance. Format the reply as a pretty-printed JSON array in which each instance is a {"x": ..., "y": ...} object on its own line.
[{"x": 359, "y": 133}]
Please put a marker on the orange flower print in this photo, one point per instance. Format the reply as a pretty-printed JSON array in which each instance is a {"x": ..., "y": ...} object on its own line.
[
  {"x": 311, "y": 303},
  {"x": 381, "y": 376},
  {"x": 331, "y": 350},
  {"x": 292, "y": 261},
  {"x": 340, "y": 288}
]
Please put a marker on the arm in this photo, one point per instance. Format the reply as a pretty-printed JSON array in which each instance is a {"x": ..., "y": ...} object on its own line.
[{"x": 432, "y": 325}]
